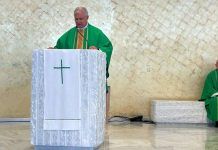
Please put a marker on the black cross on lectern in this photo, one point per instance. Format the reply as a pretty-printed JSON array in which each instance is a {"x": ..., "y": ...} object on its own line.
[{"x": 61, "y": 67}]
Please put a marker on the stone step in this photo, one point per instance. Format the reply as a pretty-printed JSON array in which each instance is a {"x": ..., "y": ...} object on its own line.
[{"x": 174, "y": 111}]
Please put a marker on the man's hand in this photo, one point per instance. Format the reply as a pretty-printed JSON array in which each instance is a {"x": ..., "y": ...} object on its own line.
[{"x": 93, "y": 48}]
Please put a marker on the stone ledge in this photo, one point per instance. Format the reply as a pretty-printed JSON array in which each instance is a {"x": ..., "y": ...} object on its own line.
[{"x": 172, "y": 111}]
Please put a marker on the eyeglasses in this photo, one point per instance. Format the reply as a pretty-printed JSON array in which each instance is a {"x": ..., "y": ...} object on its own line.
[{"x": 80, "y": 19}]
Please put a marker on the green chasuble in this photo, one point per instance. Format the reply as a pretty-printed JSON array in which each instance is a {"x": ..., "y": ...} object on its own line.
[
  {"x": 92, "y": 37},
  {"x": 211, "y": 102}
]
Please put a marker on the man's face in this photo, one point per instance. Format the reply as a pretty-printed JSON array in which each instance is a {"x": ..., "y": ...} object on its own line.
[
  {"x": 216, "y": 64},
  {"x": 81, "y": 19}
]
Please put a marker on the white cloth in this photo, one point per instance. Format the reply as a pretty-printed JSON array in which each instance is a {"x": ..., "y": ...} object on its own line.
[{"x": 62, "y": 90}]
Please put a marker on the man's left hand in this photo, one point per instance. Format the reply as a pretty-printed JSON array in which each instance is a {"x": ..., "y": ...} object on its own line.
[{"x": 93, "y": 48}]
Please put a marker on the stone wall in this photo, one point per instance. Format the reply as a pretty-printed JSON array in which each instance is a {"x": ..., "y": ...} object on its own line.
[{"x": 162, "y": 49}]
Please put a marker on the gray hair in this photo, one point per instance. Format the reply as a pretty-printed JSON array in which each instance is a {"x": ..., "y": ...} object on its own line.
[{"x": 83, "y": 9}]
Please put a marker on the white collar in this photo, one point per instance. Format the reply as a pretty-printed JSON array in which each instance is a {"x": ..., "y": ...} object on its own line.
[{"x": 83, "y": 27}]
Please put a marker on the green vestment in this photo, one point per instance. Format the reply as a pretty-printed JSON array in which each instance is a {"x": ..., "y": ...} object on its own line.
[
  {"x": 210, "y": 88},
  {"x": 92, "y": 37}
]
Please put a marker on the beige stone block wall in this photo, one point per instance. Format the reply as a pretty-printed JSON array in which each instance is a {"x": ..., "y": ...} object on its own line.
[{"x": 162, "y": 49}]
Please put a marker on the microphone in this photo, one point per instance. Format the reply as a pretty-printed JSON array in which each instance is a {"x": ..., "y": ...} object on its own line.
[{"x": 83, "y": 37}]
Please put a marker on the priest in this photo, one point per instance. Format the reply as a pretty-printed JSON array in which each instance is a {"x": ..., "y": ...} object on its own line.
[
  {"x": 210, "y": 95},
  {"x": 85, "y": 36}
]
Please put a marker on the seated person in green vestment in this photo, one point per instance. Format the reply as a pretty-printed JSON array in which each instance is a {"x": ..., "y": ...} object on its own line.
[
  {"x": 85, "y": 36},
  {"x": 210, "y": 95}
]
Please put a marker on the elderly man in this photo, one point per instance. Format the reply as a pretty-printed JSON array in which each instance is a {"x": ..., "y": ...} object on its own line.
[
  {"x": 85, "y": 36},
  {"x": 210, "y": 95}
]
